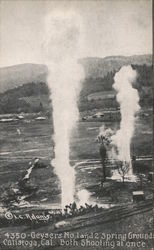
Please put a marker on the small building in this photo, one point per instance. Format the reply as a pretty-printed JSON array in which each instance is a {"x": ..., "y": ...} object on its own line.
[{"x": 138, "y": 196}]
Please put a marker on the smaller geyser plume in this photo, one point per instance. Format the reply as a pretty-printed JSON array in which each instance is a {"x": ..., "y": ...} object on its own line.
[
  {"x": 128, "y": 99},
  {"x": 62, "y": 51}
]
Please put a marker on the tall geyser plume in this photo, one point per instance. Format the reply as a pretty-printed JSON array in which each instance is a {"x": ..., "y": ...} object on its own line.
[
  {"x": 128, "y": 99},
  {"x": 62, "y": 45}
]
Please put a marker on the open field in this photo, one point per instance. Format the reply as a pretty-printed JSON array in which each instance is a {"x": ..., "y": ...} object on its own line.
[
  {"x": 23, "y": 140},
  {"x": 36, "y": 140}
]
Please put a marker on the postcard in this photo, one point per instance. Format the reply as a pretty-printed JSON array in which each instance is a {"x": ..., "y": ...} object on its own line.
[{"x": 76, "y": 125}]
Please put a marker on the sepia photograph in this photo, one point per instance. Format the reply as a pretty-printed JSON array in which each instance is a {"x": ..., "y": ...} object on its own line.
[{"x": 76, "y": 125}]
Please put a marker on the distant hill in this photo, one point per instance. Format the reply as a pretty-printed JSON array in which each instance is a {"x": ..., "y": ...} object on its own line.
[
  {"x": 17, "y": 75},
  {"x": 24, "y": 89},
  {"x": 98, "y": 67}
]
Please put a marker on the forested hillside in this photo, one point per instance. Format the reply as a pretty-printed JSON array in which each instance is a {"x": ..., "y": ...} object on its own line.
[{"x": 34, "y": 96}]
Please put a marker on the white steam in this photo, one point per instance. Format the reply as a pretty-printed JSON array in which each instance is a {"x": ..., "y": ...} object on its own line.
[
  {"x": 128, "y": 99},
  {"x": 83, "y": 196},
  {"x": 105, "y": 133},
  {"x": 62, "y": 45}
]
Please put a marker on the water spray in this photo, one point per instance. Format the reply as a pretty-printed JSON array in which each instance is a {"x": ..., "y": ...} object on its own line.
[
  {"x": 128, "y": 99},
  {"x": 62, "y": 46}
]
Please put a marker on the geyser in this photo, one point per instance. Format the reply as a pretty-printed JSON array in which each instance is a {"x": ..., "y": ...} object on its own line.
[
  {"x": 62, "y": 45},
  {"x": 128, "y": 99}
]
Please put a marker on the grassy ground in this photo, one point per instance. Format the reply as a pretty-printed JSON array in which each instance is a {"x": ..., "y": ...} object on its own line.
[{"x": 36, "y": 141}]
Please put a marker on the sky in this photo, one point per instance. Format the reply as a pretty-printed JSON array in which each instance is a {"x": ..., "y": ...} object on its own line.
[{"x": 111, "y": 27}]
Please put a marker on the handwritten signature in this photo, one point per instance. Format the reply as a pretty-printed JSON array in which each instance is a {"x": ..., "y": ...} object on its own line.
[{"x": 31, "y": 217}]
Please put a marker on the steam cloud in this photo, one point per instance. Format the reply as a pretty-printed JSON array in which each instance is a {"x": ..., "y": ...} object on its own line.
[
  {"x": 62, "y": 45},
  {"x": 128, "y": 99},
  {"x": 83, "y": 196}
]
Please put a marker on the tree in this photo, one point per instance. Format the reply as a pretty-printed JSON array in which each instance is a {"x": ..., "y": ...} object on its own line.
[
  {"x": 41, "y": 106},
  {"x": 103, "y": 154},
  {"x": 123, "y": 168}
]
